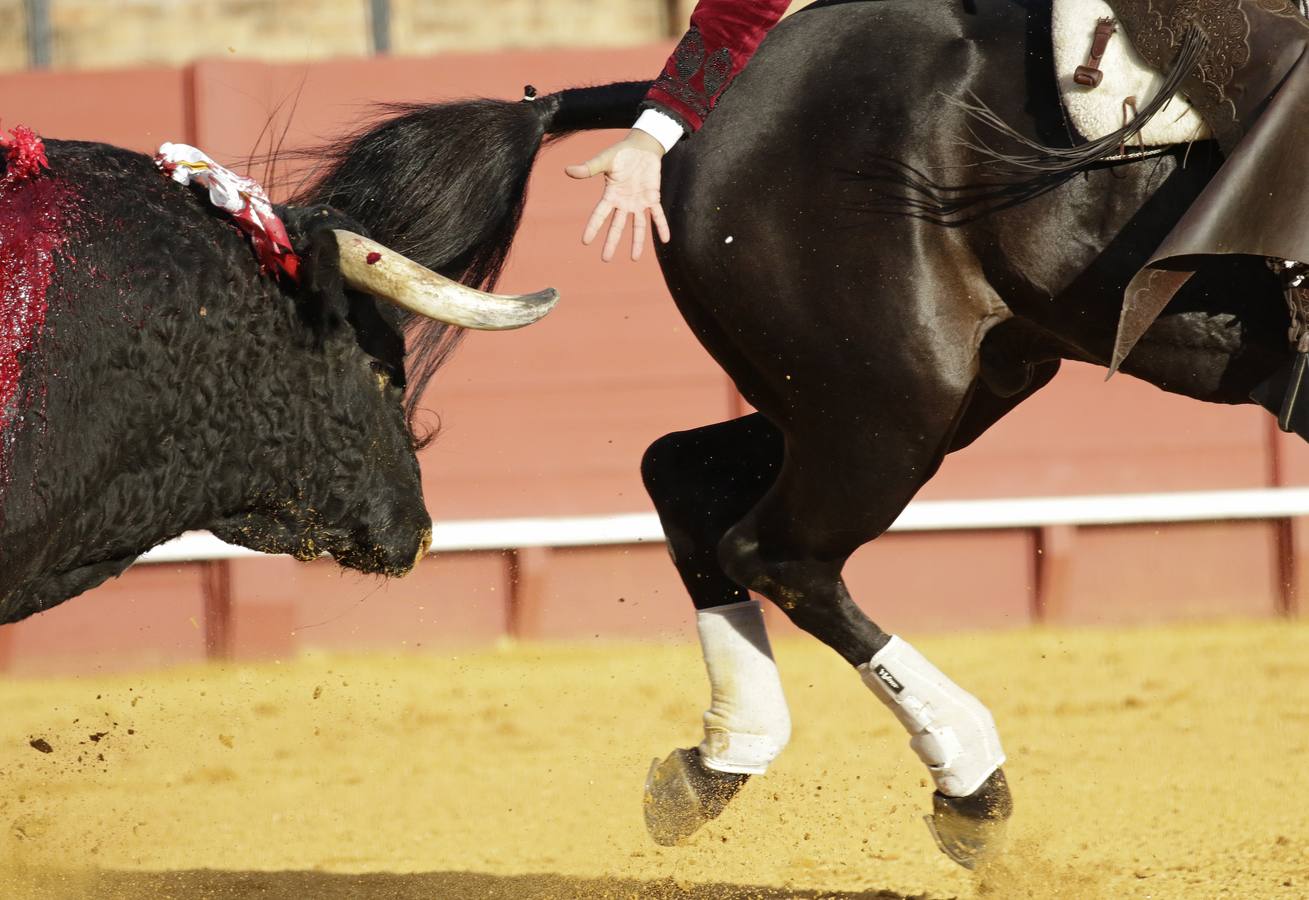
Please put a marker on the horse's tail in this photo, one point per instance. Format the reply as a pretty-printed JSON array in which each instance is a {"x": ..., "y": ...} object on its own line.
[
  {"x": 585, "y": 109},
  {"x": 445, "y": 185}
]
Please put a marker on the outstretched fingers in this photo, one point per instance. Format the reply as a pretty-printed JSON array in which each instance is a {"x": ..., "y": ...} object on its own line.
[
  {"x": 593, "y": 225},
  {"x": 618, "y": 224},
  {"x": 616, "y": 227},
  {"x": 632, "y": 172},
  {"x": 639, "y": 228},
  {"x": 660, "y": 222}
]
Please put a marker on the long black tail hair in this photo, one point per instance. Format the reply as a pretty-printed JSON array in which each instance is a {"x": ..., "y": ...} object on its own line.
[
  {"x": 1038, "y": 160},
  {"x": 445, "y": 184}
]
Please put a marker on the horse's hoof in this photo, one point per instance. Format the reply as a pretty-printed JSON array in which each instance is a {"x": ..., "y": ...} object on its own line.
[
  {"x": 681, "y": 795},
  {"x": 971, "y": 830}
]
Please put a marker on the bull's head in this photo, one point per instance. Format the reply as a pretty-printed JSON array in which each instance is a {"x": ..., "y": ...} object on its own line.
[
  {"x": 175, "y": 387},
  {"x": 361, "y": 501}
]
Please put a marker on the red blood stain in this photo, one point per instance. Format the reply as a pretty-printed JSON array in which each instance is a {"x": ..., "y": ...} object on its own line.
[
  {"x": 373, "y": 258},
  {"x": 32, "y": 215}
]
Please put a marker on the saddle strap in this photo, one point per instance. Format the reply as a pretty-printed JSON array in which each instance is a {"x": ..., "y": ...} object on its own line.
[{"x": 1090, "y": 75}]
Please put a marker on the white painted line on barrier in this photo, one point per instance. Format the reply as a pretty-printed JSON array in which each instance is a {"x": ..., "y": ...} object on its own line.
[
  {"x": 923, "y": 515},
  {"x": 569, "y": 531},
  {"x": 194, "y": 546},
  {"x": 1107, "y": 509}
]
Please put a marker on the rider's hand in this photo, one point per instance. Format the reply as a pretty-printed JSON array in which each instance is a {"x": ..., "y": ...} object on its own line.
[{"x": 632, "y": 172}]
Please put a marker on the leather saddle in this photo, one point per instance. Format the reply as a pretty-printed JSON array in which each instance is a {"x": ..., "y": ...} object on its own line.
[{"x": 1247, "y": 75}]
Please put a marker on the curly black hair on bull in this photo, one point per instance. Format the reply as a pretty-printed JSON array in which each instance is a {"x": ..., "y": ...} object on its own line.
[{"x": 445, "y": 184}]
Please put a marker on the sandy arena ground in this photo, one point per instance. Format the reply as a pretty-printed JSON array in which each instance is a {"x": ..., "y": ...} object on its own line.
[{"x": 1164, "y": 763}]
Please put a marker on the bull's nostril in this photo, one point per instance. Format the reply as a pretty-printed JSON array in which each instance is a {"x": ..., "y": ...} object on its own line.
[{"x": 424, "y": 545}]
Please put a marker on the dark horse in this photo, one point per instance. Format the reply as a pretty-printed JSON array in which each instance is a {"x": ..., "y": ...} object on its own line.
[{"x": 842, "y": 251}]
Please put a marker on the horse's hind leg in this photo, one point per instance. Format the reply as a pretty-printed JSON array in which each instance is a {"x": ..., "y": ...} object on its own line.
[{"x": 703, "y": 482}]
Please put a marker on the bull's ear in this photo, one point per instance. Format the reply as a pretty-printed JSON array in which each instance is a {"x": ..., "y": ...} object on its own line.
[{"x": 322, "y": 299}]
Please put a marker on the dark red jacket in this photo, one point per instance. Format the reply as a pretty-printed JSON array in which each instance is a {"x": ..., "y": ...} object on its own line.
[{"x": 724, "y": 35}]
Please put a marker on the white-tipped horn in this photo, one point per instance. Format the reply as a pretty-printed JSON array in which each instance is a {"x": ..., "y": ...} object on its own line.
[{"x": 374, "y": 269}]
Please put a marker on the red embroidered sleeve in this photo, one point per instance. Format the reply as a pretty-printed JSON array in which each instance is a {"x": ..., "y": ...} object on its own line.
[{"x": 724, "y": 35}]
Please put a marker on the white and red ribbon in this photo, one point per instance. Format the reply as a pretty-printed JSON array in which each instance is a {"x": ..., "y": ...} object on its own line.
[{"x": 242, "y": 198}]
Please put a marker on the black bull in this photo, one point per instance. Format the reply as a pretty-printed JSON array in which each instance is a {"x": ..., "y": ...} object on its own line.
[
  {"x": 175, "y": 387},
  {"x": 153, "y": 381},
  {"x": 827, "y": 251}
]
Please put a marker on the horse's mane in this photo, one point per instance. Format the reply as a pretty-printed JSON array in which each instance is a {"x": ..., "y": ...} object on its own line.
[
  {"x": 1034, "y": 159},
  {"x": 893, "y": 187},
  {"x": 998, "y": 178}
]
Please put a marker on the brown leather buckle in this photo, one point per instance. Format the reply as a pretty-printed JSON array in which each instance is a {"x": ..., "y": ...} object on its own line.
[{"x": 1090, "y": 75}]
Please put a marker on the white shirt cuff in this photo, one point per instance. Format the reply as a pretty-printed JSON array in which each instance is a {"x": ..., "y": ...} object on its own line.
[{"x": 663, "y": 128}]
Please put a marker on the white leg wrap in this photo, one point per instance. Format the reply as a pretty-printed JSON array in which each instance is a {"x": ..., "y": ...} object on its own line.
[
  {"x": 747, "y": 724},
  {"x": 950, "y": 730}
]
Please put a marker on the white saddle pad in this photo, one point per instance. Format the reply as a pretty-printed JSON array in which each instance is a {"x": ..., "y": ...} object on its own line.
[{"x": 1100, "y": 110}]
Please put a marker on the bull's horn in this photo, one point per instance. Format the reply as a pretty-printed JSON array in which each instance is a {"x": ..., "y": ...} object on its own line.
[{"x": 374, "y": 269}]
